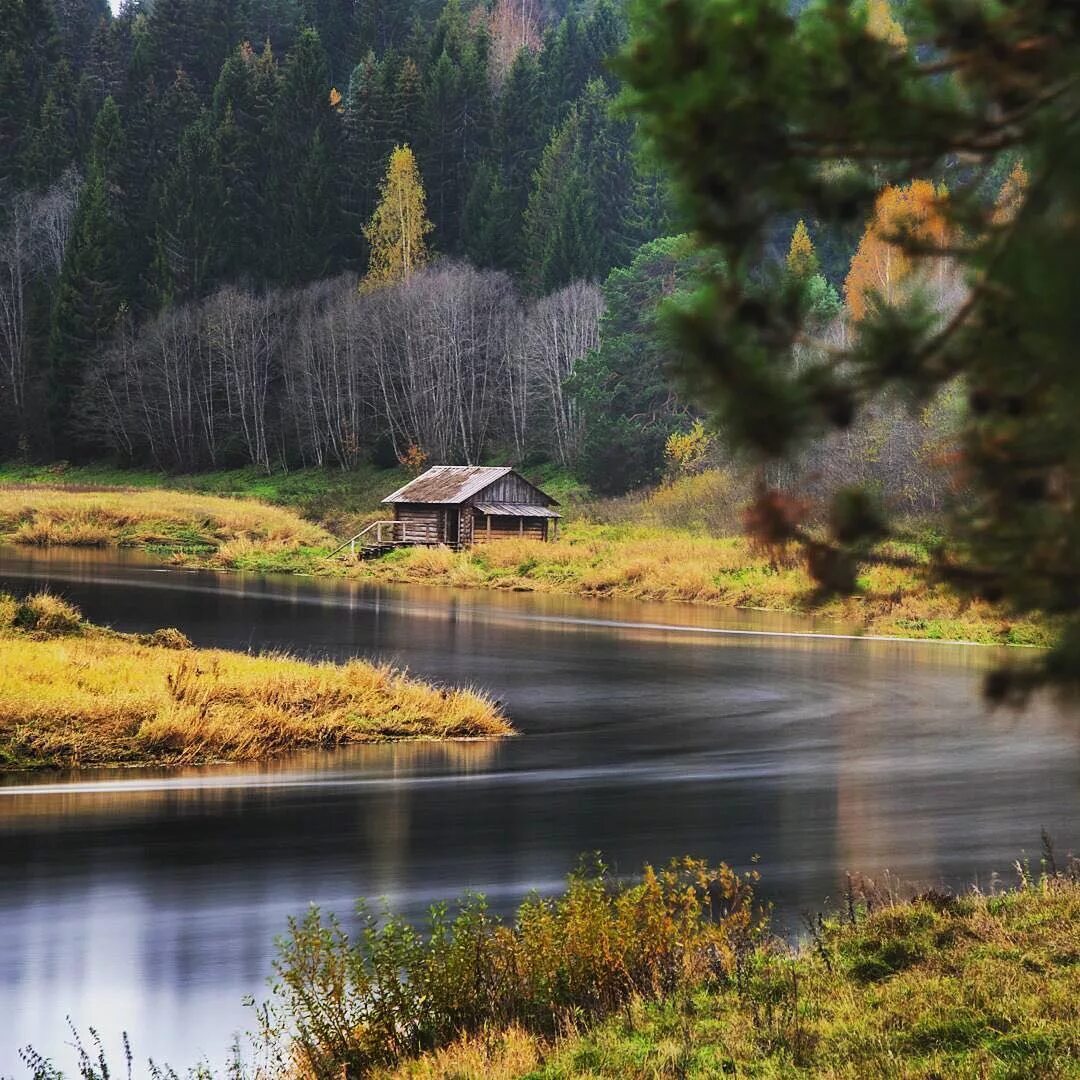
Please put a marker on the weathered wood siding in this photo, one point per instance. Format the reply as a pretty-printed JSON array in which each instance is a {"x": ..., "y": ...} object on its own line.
[
  {"x": 503, "y": 527},
  {"x": 422, "y": 514},
  {"x": 511, "y": 488}
]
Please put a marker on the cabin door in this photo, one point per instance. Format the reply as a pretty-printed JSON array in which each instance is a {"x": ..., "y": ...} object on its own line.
[{"x": 453, "y": 526}]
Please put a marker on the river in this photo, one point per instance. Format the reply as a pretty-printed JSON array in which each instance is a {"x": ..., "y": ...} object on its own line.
[{"x": 148, "y": 901}]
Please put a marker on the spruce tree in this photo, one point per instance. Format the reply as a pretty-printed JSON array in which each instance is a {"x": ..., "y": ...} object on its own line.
[
  {"x": 188, "y": 219},
  {"x": 518, "y": 144},
  {"x": 304, "y": 142},
  {"x": 582, "y": 215},
  {"x": 90, "y": 294}
]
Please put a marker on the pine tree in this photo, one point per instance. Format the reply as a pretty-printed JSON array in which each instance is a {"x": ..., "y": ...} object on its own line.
[
  {"x": 817, "y": 115},
  {"x": 399, "y": 226},
  {"x": 89, "y": 296}
]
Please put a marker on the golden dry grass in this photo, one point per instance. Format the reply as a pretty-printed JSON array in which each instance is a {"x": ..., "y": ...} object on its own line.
[
  {"x": 661, "y": 564},
  {"x": 57, "y": 516},
  {"x": 75, "y": 695},
  {"x": 663, "y": 551},
  {"x": 493, "y": 1055}
]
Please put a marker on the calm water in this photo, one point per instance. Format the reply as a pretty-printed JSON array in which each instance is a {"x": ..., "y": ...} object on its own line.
[{"x": 149, "y": 900}]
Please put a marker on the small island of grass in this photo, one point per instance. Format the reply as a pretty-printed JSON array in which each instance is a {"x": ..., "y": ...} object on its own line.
[{"x": 76, "y": 695}]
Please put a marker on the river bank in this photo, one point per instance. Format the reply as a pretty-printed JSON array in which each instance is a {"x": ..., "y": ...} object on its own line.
[
  {"x": 938, "y": 986},
  {"x": 77, "y": 695},
  {"x": 634, "y": 558}
]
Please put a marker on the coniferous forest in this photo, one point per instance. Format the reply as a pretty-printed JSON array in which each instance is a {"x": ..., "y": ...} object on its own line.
[{"x": 188, "y": 189}]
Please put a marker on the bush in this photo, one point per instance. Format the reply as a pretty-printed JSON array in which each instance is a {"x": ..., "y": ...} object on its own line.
[
  {"x": 395, "y": 992},
  {"x": 167, "y": 637},
  {"x": 48, "y": 614}
]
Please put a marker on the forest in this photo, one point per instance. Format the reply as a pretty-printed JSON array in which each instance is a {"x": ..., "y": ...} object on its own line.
[{"x": 192, "y": 274}]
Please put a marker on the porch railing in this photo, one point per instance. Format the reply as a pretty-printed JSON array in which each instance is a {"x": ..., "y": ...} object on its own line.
[{"x": 388, "y": 533}]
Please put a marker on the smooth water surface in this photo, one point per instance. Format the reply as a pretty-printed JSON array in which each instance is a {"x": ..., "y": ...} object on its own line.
[{"x": 148, "y": 900}]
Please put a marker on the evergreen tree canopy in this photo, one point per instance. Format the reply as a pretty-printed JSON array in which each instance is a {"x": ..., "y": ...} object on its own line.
[
  {"x": 624, "y": 388},
  {"x": 760, "y": 114}
]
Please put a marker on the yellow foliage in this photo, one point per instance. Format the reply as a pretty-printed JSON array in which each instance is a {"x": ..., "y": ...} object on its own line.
[
  {"x": 399, "y": 225},
  {"x": 58, "y": 516},
  {"x": 880, "y": 23},
  {"x": 880, "y": 266},
  {"x": 802, "y": 262},
  {"x": 413, "y": 459},
  {"x": 686, "y": 450},
  {"x": 1012, "y": 195},
  {"x": 335, "y": 98}
]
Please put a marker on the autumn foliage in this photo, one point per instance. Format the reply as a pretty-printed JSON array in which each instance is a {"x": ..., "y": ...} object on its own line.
[
  {"x": 881, "y": 266},
  {"x": 399, "y": 226}
]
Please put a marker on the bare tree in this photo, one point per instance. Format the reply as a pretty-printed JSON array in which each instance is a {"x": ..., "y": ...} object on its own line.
[
  {"x": 31, "y": 248},
  {"x": 559, "y": 330},
  {"x": 247, "y": 334}
]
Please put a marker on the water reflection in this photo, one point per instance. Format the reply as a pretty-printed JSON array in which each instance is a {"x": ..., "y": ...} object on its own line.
[{"x": 149, "y": 899}]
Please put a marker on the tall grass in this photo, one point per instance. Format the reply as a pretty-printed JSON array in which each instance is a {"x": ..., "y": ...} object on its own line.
[
  {"x": 657, "y": 547},
  {"x": 74, "y": 695},
  {"x": 653, "y": 563},
  {"x": 48, "y": 516}
]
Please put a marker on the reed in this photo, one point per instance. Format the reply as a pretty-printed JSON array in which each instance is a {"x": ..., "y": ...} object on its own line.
[{"x": 75, "y": 695}]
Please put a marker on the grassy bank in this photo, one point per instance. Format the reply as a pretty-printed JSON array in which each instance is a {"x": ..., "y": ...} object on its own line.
[
  {"x": 77, "y": 695},
  {"x": 678, "y": 977},
  {"x": 659, "y": 547}
]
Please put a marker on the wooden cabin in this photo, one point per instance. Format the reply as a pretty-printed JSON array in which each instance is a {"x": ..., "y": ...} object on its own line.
[{"x": 460, "y": 505}]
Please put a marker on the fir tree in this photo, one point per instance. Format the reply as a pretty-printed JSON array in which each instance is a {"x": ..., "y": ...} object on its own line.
[{"x": 89, "y": 296}]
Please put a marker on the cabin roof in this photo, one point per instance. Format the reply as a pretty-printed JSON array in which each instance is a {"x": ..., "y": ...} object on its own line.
[
  {"x": 447, "y": 484},
  {"x": 515, "y": 510}
]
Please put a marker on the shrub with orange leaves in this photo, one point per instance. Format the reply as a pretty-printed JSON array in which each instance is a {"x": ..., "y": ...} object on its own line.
[{"x": 413, "y": 459}]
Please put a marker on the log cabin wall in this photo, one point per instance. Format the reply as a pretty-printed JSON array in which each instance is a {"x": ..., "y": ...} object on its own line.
[
  {"x": 429, "y": 516},
  {"x": 503, "y": 528}
]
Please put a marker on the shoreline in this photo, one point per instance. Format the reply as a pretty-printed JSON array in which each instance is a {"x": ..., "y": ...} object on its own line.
[
  {"x": 636, "y": 562},
  {"x": 583, "y": 622}
]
